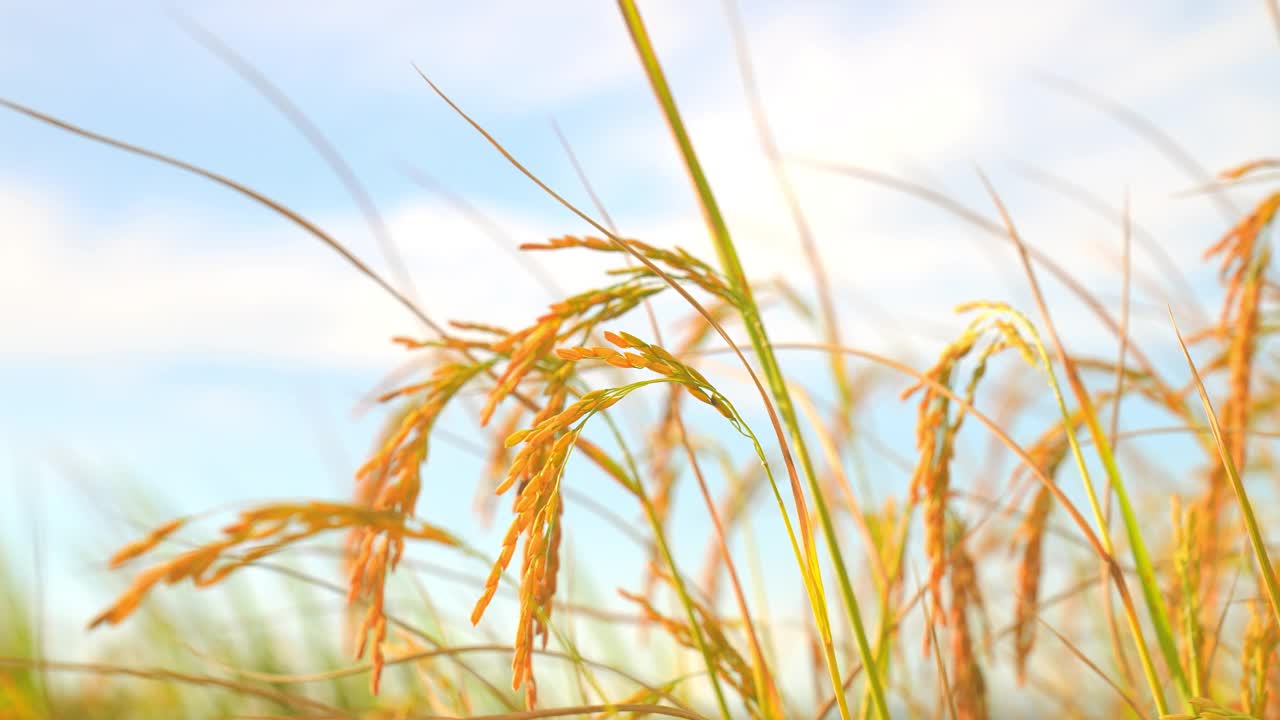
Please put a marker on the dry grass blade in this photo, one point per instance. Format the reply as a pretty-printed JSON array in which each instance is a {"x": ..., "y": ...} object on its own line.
[
  {"x": 1265, "y": 569},
  {"x": 636, "y": 710},
  {"x": 313, "y": 135},
  {"x": 1215, "y": 639},
  {"x": 920, "y": 596},
  {"x": 1137, "y": 545},
  {"x": 947, "y": 698},
  {"x": 586, "y": 185},
  {"x": 729, "y": 664},
  {"x": 822, "y": 285},
  {"x": 1090, "y": 537},
  {"x": 1131, "y": 232},
  {"x": 1148, "y": 131},
  {"x": 487, "y": 225},
  {"x": 248, "y": 192},
  {"x": 767, "y": 695},
  {"x": 452, "y": 651},
  {"x": 1128, "y": 700},
  {"x": 992, "y": 228},
  {"x": 162, "y": 675},
  {"x": 578, "y": 711}
]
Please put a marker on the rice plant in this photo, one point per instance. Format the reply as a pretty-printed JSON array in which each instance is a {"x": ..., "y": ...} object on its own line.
[{"x": 930, "y": 602}]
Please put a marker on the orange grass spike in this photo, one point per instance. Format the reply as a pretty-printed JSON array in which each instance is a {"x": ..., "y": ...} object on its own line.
[{"x": 264, "y": 531}]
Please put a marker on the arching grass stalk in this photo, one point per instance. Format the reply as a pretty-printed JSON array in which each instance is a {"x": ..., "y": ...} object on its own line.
[
  {"x": 1151, "y": 593},
  {"x": 697, "y": 385},
  {"x": 768, "y": 698},
  {"x": 732, "y": 268},
  {"x": 1042, "y": 362},
  {"x": 630, "y": 480}
]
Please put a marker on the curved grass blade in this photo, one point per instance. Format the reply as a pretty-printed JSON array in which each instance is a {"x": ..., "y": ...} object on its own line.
[{"x": 248, "y": 192}]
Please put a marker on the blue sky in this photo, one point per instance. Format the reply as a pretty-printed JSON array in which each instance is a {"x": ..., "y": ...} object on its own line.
[{"x": 174, "y": 338}]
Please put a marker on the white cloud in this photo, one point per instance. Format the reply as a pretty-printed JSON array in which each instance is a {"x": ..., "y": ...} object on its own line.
[
  {"x": 923, "y": 94},
  {"x": 173, "y": 282},
  {"x": 526, "y": 55}
]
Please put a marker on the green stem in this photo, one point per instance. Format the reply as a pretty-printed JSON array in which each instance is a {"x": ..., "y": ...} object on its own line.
[{"x": 732, "y": 268}]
